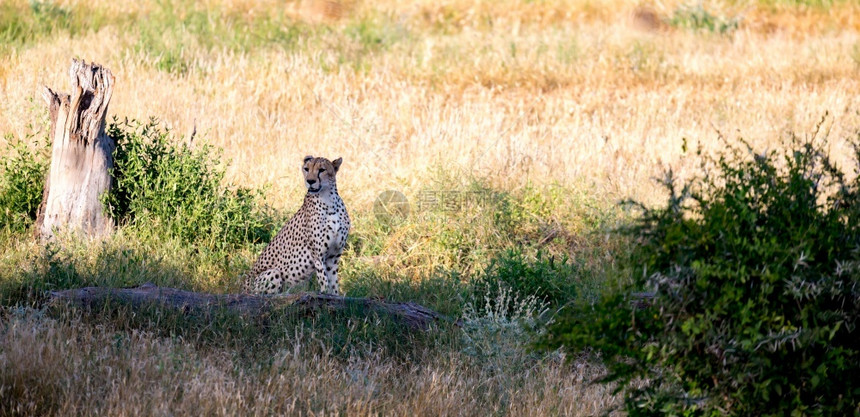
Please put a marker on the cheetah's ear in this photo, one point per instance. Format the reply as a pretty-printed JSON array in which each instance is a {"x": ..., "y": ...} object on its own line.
[
  {"x": 307, "y": 158},
  {"x": 337, "y": 163}
]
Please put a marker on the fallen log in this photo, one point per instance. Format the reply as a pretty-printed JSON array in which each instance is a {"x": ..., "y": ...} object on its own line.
[
  {"x": 409, "y": 314},
  {"x": 642, "y": 300}
]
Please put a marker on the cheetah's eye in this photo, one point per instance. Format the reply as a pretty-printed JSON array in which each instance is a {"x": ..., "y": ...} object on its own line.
[
  {"x": 322, "y": 170},
  {"x": 306, "y": 169}
]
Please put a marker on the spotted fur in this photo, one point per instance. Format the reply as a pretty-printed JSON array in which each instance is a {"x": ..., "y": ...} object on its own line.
[{"x": 311, "y": 243}]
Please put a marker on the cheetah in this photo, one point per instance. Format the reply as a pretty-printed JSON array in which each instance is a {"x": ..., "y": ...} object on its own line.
[{"x": 311, "y": 243}]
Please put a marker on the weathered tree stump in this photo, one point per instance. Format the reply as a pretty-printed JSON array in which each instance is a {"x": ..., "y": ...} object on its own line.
[
  {"x": 81, "y": 156},
  {"x": 409, "y": 314}
]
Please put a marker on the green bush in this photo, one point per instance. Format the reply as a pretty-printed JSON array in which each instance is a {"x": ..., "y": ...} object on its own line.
[
  {"x": 161, "y": 188},
  {"x": 755, "y": 268},
  {"x": 177, "y": 191},
  {"x": 22, "y": 178},
  {"x": 550, "y": 281}
]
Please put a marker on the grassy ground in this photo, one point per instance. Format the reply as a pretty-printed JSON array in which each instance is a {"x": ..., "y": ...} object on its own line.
[{"x": 513, "y": 128}]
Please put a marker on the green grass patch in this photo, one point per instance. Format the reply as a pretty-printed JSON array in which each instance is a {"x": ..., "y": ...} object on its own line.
[
  {"x": 176, "y": 32},
  {"x": 30, "y": 269},
  {"x": 817, "y": 4},
  {"x": 175, "y": 28},
  {"x": 443, "y": 291},
  {"x": 23, "y": 23},
  {"x": 698, "y": 18}
]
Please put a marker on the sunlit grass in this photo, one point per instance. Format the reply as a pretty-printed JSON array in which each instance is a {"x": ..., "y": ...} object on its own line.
[
  {"x": 513, "y": 128},
  {"x": 392, "y": 94}
]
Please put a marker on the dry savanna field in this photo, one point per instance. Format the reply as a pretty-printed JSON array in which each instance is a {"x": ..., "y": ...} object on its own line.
[{"x": 514, "y": 128}]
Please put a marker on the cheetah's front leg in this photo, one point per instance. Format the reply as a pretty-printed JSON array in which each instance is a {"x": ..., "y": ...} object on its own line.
[
  {"x": 323, "y": 278},
  {"x": 331, "y": 265}
]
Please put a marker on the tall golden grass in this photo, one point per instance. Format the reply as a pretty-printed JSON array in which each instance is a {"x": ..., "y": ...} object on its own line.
[{"x": 570, "y": 92}]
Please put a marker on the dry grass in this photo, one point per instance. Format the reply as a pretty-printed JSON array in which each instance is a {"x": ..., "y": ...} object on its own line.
[
  {"x": 595, "y": 96},
  {"x": 50, "y": 367},
  {"x": 575, "y": 100}
]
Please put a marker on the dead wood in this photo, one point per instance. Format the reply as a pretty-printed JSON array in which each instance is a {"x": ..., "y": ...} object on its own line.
[
  {"x": 409, "y": 314},
  {"x": 642, "y": 300},
  {"x": 81, "y": 155}
]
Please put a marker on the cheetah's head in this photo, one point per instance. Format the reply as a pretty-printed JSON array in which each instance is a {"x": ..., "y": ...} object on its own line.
[{"x": 320, "y": 173}]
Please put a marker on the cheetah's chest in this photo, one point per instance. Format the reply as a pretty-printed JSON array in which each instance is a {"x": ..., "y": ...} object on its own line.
[{"x": 336, "y": 226}]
